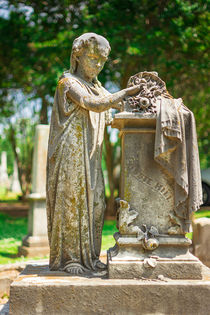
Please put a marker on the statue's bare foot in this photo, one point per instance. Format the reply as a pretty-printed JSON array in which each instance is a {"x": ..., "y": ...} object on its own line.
[
  {"x": 74, "y": 269},
  {"x": 99, "y": 265}
]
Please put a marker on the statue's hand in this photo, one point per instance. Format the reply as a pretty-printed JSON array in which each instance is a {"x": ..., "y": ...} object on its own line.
[
  {"x": 132, "y": 90},
  {"x": 119, "y": 106}
]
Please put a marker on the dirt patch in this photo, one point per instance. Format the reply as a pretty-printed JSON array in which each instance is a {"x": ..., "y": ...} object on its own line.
[{"x": 16, "y": 209}]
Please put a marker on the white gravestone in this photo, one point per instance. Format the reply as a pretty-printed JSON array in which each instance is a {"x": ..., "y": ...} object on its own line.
[{"x": 4, "y": 180}]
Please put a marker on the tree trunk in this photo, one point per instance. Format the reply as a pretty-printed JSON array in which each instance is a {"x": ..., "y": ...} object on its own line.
[
  {"x": 23, "y": 170},
  {"x": 14, "y": 148},
  {"x": 43, "y": 112},
  {"x": 109, "y": 158}
]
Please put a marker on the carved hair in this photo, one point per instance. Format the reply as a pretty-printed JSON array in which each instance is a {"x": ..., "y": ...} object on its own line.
[{"x": 83, "y": 42}]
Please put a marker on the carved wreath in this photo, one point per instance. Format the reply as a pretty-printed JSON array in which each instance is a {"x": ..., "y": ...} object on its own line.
[{"x": 151, "y": 88}]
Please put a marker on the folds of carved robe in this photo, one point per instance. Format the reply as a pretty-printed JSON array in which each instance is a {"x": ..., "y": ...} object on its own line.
[
  {"x": 176, "y": 150},
  {"x": 75, "y": 187}
]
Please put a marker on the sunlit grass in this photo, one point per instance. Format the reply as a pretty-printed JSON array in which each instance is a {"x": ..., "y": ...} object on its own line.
[
  {"x": 12, "y": 230},
  {"x": 202, "y": 213},
  {"x": 107, "y": 235},
  {"x": 8, "y": 196}
]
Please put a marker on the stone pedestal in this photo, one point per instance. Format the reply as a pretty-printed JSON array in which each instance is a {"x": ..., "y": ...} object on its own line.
[
  {"x": 149, "y": 242},
  {"x": 36, "y": 242},
  {"x": 40, "y": 291}
]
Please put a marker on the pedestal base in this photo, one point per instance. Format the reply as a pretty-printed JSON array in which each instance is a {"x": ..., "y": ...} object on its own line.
[
  {"x": 39, "y": 291},
  {"x": 34, "y": 246},
  {"x": 173, "y": 269},
  {"x": 171, "y": 259}
]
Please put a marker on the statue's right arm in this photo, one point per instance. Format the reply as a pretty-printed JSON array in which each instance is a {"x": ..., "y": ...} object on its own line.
[{"x": 77, "y": 94}]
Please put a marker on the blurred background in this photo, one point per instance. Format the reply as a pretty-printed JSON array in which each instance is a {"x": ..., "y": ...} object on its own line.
[{"x": 170, "y": 37}]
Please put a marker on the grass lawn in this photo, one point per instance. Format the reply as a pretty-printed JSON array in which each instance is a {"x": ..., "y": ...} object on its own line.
[
  {"x": 7, "y": 196},
  {"x": 12, "y": 231}
]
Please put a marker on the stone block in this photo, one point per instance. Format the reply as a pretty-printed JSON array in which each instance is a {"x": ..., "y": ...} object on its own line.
[
  {"x": 40, "y": 291},
  {"x": 201, "y": 240}
]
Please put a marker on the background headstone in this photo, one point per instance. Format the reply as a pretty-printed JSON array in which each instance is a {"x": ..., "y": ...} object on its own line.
[
  {"x": 36, "y": 242},
  {"x": 4, "y": 180}
]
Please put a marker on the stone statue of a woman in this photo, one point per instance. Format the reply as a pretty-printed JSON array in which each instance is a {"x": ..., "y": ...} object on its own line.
[{"x": 75, "y": 187}]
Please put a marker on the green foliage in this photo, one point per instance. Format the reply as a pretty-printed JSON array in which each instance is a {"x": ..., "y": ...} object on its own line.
[
  {"x": 170, "y": 37},
  {"x": 20, "y": 136},
  {"x": 202, "y": 213}
]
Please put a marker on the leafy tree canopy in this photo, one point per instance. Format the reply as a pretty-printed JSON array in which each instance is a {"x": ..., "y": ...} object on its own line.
[{"x": 170, "y": 37}]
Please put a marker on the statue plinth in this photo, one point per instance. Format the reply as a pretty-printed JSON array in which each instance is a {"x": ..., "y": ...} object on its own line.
[{"x": 150, "y": 241}]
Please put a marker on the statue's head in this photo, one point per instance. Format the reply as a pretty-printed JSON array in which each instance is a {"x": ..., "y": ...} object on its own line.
[{"x": 90, "y": 51}]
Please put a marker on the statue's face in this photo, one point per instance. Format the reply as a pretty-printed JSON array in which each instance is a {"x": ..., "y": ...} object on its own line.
[{"x": 92, "y": 61}]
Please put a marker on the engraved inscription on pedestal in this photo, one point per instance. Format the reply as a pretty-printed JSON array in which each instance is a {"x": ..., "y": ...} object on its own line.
[{"x": 144, "y": 184}]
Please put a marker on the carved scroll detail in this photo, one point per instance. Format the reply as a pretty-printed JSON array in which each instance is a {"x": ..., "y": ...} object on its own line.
[
  {"x": 125, "y": 219},
  {"x": 176, "y": 227}
]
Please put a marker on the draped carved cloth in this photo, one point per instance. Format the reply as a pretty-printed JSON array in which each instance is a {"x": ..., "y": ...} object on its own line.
[
  {"x": 176, "y": 150},
  {"x": 75, "y": 187}
]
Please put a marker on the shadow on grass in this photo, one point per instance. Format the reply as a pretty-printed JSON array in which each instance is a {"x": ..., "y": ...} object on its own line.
[{"x": 8, "y": 255}]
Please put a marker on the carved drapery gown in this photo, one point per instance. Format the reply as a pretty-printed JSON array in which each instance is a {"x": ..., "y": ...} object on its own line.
[{"x": 75, "y": 187}]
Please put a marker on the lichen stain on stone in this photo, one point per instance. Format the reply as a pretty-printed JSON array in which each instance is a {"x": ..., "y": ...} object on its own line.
[
  {"x": 78, "y": 212},
  {"x": 62, "y": 83},
  {"x": 127, "y": 189}
]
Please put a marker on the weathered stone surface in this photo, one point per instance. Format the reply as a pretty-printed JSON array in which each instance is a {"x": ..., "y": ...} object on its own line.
[
  {"x": 40, "y": 159},
  {"x": 43, "y": 292},
  {"x": 30, "y": 252},
  {"x": 160, "y": 185},
  {"x": 129, "y": 259},
  {"x": 201, "y": 239},
  {"x": 6, "y": 278},
  {"x": 152, "y": 268},
  {"x": 75, "y": 186},
  {"x": 144, "y": 185},
  {"x": 36, "y": 242},
  {"x": 9, "y": 272}
]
